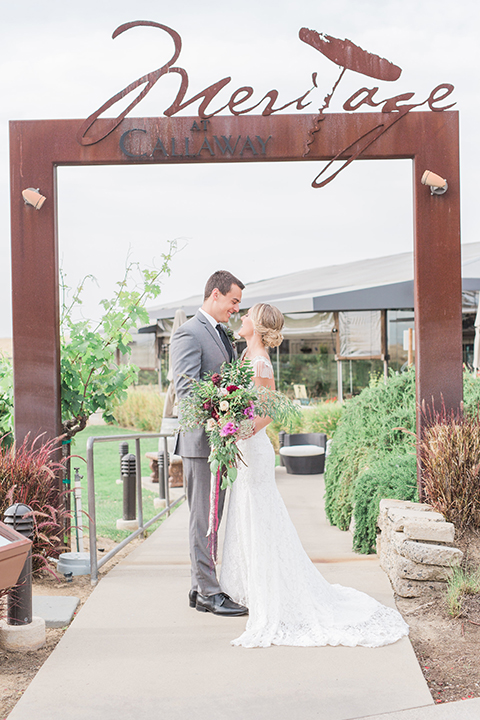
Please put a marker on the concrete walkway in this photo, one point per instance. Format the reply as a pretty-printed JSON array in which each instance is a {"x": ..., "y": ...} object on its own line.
[{"x": 136, "y": 650}]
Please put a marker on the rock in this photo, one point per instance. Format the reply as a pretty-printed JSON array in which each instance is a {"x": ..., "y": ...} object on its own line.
[
  {"x": 398, "y": 516},
  {"x": 406, "y": 569},
  {"x": 430, "y": 554},
  {"x": 414, "y": 547},
  {"x": 414, "y": 588},
  {"x": 441, "y": 532},
  {"x": 397, "y": 539},
  {"x": 386, "y": 504},
  {"x": 387, "y": 562}
]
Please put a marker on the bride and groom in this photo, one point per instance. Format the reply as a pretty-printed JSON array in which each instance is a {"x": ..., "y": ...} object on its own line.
[{"x": 265, "y": 572}]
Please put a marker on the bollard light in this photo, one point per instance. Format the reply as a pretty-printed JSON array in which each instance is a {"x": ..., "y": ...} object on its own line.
[
  {"x": 129, "y": 476},
  {"x": 161, "y": 474},
  {"x": 19, "y": 603}
]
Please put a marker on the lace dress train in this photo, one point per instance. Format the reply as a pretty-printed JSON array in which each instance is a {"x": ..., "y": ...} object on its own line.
[{"x": 265, "y": 567}]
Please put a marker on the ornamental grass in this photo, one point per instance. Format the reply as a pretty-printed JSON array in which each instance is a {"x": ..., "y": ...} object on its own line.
[
  {"x": 28, "y": 474},
  {"x": 142, "y": 409},
  {"x": 450, "y": 453},
  {"x": 460, "y": 584}
]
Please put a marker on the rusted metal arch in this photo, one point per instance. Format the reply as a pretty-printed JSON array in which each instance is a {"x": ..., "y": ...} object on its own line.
[{"x": 430, "y": 139}]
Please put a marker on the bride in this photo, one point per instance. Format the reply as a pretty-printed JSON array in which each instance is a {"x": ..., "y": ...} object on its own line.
[{"x": 264, "y": 565}]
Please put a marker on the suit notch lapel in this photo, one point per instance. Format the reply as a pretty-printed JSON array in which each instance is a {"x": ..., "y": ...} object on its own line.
[{"x": 214, "y": 334}]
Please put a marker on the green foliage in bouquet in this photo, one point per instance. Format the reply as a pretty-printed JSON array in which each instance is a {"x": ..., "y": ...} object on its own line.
[{"x": 225, "y": 405}]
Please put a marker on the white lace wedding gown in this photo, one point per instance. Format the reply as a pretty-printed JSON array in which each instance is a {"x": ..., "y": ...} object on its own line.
[{"x": 265, "y": 567}]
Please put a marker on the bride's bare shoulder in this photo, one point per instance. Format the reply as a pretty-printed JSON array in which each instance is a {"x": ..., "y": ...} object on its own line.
[{"x": 262, "y": 366}]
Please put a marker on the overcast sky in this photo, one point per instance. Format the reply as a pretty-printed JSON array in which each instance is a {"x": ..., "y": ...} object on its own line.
[{"x": 58, "y": 60}]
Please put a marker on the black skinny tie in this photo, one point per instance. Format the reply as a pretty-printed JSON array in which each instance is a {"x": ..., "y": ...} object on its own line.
[{"x": 225, "y": 340}]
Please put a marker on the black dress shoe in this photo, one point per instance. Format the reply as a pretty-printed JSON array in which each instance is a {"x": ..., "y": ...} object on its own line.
[
  {"x": 192, "y": 598},
  {"x": 220, "y": 604}
]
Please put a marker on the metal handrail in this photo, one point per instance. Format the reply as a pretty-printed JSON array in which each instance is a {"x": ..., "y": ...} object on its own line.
[{"x": 95, "y": 563}]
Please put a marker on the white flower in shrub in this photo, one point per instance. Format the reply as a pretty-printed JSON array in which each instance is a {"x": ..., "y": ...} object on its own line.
[{"x": 224, "y": 405}]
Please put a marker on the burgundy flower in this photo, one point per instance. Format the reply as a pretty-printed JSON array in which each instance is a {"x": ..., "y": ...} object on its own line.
[
  {"x": 232, "y": 388},
  {"x": 216, "y": 379},
  {"x": 207, "y": 405}
]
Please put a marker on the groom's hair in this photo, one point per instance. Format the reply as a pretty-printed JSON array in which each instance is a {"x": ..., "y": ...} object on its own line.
[{"x": 223, "y": 281}]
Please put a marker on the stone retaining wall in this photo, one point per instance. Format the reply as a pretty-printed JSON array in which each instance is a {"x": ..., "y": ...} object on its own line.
[{"x": 415, "y": 547}]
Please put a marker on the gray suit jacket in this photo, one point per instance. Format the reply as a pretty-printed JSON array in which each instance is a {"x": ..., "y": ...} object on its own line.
[{"x": 195, "y": 349}]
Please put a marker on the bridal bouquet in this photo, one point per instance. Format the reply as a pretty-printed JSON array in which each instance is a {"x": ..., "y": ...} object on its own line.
[{"x": 225, "y": 404}]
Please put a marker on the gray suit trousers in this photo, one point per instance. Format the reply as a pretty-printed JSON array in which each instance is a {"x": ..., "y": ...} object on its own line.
[{"x": 196, "y": 472}]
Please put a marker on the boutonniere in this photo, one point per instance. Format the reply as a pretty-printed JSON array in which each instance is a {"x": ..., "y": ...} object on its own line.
[{"x": 231, "y": 336}]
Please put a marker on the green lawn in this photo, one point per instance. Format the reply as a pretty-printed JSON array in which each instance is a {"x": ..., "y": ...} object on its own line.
[{"x": 108, "y": 494}]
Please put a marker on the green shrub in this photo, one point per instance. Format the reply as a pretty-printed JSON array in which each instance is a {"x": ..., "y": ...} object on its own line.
[
  {"x": 471, "y": 393},
  {"x": 370, "y": 441},
  {"x": 393, "y": 476},
  {"x": 142, "y": 409},
  {"x": 6, "y": 396},
  {"x": 369, "y": 429}
]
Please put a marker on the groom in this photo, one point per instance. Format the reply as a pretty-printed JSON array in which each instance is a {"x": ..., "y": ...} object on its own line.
[{"x": 198, "y": 347}]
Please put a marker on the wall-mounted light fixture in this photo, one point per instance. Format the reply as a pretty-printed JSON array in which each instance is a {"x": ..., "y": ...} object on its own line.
[
  {"x": 32, "y": 197},
  {"x": 437, "y": 184}
]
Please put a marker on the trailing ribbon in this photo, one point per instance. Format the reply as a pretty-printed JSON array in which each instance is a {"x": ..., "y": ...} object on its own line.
[{"x": 213, "y": 520}]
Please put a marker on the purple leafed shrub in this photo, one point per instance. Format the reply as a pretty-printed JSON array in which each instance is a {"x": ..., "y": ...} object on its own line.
[
  {"x": 450, "y": 454},
  {"x": 28, "y": 475}
]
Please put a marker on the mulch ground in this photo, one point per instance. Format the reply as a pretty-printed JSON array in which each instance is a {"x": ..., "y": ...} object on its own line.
[{"x": 447, "y": 648}]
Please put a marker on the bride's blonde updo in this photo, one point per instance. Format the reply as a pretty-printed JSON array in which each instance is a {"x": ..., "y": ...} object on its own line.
[{"x": 268, "y": 322}]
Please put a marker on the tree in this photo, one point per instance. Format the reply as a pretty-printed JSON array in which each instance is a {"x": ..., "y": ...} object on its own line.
[
  {"x": 91, "y": 378},
  {"x": 6, "y": 398}
]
